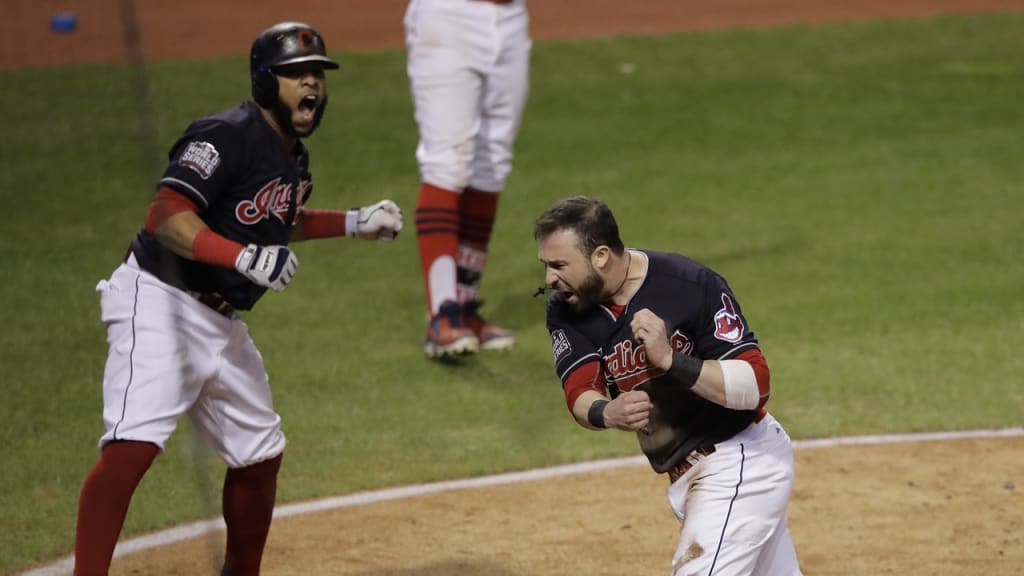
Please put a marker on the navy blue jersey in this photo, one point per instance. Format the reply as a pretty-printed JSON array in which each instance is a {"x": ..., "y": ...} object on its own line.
[
  {"x": 703, "y": 319},
  {"x": 248, "y": 188}
]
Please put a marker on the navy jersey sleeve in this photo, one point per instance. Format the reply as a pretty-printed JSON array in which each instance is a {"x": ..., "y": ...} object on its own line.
[
  {"x": 569, "y": 347},
  {"x": 724, "y": 332},
  {"x": 204, "y": 161}
]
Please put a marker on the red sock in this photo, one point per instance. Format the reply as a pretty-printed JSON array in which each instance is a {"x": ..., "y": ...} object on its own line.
[
  {"x": 437, "y": 235},
  {"x": 477, "y": 210},
  {"x": 103, "y": 505},
  {"x": 248, "y": 506}
]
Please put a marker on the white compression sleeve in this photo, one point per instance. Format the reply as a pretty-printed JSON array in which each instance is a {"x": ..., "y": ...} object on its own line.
[{"x": 741, "y": 391}]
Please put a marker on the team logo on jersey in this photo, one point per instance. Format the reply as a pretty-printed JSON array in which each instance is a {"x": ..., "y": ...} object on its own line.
[
  {"x": 627, "y": 365},
  {"x": 560, "y": 347},
  {"x": 274, "y": 198},
  {"x": 681, "y": 343},
  {"x": 201, "y": 157},
  {"x": 728, "y": 323}
]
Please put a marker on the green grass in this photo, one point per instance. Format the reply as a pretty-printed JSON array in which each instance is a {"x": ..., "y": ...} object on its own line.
[{"x": 859, "y": 185}]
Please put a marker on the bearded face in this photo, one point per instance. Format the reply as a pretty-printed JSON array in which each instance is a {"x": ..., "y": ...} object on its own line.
[
  {"x": 301, "y": 98},
  {"x": 589, "y": 293},
  {"x": 284, "y": 115}
]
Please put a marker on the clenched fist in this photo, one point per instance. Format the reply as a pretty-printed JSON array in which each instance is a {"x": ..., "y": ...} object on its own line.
[{"x": 380, "y": 221}]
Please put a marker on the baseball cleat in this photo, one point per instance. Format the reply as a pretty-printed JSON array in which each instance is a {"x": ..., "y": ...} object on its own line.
[
  {"x": 491, "y": 337},
  {"x": 447, "y": 334}
]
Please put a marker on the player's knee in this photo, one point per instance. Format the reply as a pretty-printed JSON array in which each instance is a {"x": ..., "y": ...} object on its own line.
[
  {"x": 446, "y": 177},
  {"x": 491, "y": 173}
]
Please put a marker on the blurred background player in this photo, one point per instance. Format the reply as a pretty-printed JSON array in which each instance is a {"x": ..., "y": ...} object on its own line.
[
  {"x": 468, "y": 66},
  {"x": 215, "y": 239}
]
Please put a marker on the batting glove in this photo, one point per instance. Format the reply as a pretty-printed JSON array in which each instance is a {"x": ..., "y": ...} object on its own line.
[
  {"x": 269, "y": 266},
  {"x": 380, "y": 221}
]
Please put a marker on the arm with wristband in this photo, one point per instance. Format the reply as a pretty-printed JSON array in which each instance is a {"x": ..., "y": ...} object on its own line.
[
  {"x": 740, "y": 383},
  {"x": 174, "y": 220},
  {"x": 380, "y": 221},
  {"x": 592, "y": 409}
]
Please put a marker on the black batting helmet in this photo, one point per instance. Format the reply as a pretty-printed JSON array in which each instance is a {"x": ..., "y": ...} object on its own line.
[{"x": 281, "y": 44}]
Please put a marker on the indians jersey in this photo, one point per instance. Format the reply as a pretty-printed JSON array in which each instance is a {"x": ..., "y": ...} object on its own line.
[
  {"x": 703, "y": 319},
  {"x": 248, "y": 189}
]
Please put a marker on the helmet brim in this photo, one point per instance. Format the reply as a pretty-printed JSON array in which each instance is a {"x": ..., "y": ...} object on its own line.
[{"x": 327, "y": 63}]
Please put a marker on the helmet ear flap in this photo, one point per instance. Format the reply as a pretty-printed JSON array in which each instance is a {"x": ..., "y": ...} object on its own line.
[{"x": 264, "y": 86}]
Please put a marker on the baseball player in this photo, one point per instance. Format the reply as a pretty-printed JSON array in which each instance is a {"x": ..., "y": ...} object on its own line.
[
  {"x": 655, "y": 343},
  {"x": 215, "y": 239},
  {"x": 468, "y": 66}
]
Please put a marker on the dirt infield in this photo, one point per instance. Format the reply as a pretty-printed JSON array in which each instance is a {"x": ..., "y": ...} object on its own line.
[
  {"x": 914, "y": 508},
  {"x": 937, "y": 508}
]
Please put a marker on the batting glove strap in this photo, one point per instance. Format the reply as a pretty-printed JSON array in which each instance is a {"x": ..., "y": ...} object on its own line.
[
  {"x": 380, "y": 221},
  {"x": 268, "y": 266},
  {"x": 352, "y": 223}
]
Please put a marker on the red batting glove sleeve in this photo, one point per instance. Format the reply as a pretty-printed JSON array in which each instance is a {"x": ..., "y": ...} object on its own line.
[
  {"x": 212, "y": 248},
  {"x": 583, "y": 378},
  {"x": 322, "y": 223}
]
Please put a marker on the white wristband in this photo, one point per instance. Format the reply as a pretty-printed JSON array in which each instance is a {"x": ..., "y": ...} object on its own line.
[
  {"x": 741, "y": 391},
  {"x": 351, "y": 222}
]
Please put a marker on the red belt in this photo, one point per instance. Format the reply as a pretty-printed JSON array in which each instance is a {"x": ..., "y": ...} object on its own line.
[
  {"x": 215, "y": 302},
  {"x": 677, "y": 471}
]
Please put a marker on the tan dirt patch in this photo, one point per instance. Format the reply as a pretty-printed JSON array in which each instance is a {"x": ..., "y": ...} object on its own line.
[{"x": 925, "y": 508}]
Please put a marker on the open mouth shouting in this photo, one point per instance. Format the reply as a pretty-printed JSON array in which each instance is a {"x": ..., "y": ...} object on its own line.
[{"x": 305, "y": 113}]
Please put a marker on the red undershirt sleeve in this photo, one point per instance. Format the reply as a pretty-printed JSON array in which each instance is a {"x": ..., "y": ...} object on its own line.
[
  {"x": 757, "y": 361},
  {"x": 323, "y": 223},
  {"x": 207, "y": 246},
  {"x": 166, "y": 203},
  {"x": 583, "y": 378}
]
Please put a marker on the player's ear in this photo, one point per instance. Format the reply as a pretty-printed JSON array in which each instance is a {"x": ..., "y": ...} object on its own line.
[{"x": 600, "y": 256}]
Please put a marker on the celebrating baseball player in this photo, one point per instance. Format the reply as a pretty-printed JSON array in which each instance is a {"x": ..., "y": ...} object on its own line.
[
  {"x": 216, "y": 237},
  {"x": 468, "y": 66},
  {"x": 655, "y": 343}
]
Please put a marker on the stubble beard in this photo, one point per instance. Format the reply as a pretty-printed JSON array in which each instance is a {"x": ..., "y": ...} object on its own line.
[{"x": 283, "y": 115}]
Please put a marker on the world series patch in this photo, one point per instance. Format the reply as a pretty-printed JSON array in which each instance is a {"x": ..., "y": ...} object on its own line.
[
  {"x": 201, "y": 157},
  {"x": 560, "y": 347}
]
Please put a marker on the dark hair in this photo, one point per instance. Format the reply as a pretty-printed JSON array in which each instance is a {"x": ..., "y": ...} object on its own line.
[{"x": 590, "y": 218}]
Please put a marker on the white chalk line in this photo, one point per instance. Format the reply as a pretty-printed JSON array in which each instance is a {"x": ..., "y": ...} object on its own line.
[{"x": 65, "y": 565}]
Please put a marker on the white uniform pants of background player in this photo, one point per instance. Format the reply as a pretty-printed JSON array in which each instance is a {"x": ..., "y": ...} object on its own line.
[
  {"x": 732, "y": 506},
  {"x": 171, "y": 355},
  {"x": 468, "y": 65}
]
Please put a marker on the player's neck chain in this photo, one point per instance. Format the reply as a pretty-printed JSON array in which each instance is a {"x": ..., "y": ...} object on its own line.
[{"x": 629, "y": 262}]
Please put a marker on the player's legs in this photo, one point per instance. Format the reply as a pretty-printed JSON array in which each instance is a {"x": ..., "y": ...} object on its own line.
[
  {"x": 445, "y": 91},
  {"x": 732, "y": 506},
  {"x": 504, "y": 64},
  {"x": 152, "y": 376},
  {"x": 248, "y": 508},
  {"x": 778, "y": 556},
  {"x": 236, "y": 414},
  {"x": 103, "y": 503},
  {"x": 506, "y": 84}
]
